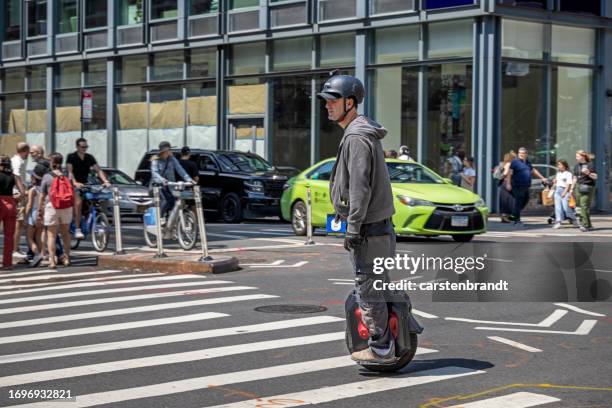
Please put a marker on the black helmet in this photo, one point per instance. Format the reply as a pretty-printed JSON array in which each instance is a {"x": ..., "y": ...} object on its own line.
[{"x": 342, "y": 86}]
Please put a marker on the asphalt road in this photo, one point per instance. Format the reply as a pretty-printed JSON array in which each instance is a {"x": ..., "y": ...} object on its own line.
[{"x": 120, "y": 339}]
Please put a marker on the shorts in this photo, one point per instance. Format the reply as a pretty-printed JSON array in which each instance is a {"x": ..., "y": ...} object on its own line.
[
  {"x": 21, "y": 206},
  {"x": 32, "y": 217},
  {"x": 54, "y": 216}
]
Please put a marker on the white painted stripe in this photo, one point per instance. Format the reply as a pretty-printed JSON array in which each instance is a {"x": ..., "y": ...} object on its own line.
[
  {"x": 515, "y": 344},
  {"x": 105, "y": 300},
  {"x": 113, "y": 290},
  {"x": 582, "y": 330},
  {"x": 402, "y": 251},
  {"x": 199, "y": 383},
  {"x": 296, "y": 265},
  {"x": 342, "y": 280},
  {"x": 275, "y": 263},
  {"x": 516, "y": 400},
  {"x": 259, "y": 233},
  {"x": 167, "y": 339},
  {"x": 499, "y": 260},
  {"x": 131, "y": 310},
  {"x": 74, "y": 275},
  {"x": 108, "y": 328},
  {"x": 147, "y": 277},
  {"x": 344, "y": 283},
  {"x": 20, "y": 274},
  {"x": 211, "y": 234},
  {"x": 285, "y": 240},
  {"x": 547, "y": 322},
  {"x": 51, "y": 285},
  {"x": 579, "y": 310},
  {"x": 253, "y": 248},
  {"x": 356, "y": 389},
  {"x": 424, "y": 314},
  {"x": 163, "y": 359}
]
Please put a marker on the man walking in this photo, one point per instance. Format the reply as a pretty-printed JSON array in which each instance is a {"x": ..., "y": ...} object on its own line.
[
  {"x": 522, "y": 169},
  {"x": 360, "y": 190},
  {"x": 18, "y": 164}
]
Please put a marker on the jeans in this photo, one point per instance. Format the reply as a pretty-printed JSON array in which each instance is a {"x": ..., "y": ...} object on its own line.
[
  {"x": 521, "y": 197},
  {"x": 584, "y": 200},
  {"x": 562, "y": 209},
  {"x": 167, "y": 201},
  {"x": 379, "y": 241}
]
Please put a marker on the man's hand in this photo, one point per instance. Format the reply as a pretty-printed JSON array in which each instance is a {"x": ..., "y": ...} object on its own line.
[
  {"x": 79, "y": 185},
  {"x": 352, "y": 241},
  {"x": 106, "y": 184}
]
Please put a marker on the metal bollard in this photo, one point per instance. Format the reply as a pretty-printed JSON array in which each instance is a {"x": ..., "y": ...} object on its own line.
[
  {"x": 201, "y": 224},
  {"x": 309, "y": 240},
  {"x": 158, "y": 230},
  {"x": 117, "y": 220}
]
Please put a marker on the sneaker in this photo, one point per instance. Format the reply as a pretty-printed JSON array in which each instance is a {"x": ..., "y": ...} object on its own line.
[
  {"x": 368, "y": 356},
  {"x": 78, "y": 234},
  {"x": 584, "y": 229},
  {"x": 162, "y": 221},
  {"x": 557, "y": 225},
  {"x": 36, "y": 260},
  {"x": 18, "y": 255}
]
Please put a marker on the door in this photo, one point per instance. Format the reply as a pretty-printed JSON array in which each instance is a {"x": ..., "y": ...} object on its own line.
[
  {"x": 248, "y": 135},
  {"x": 318, "y": 181}
]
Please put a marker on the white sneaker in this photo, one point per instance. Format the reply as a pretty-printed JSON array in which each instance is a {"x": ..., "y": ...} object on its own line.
[
  {"x": 78, "y": 234},
  {"x": 19, "y": 255},
  {"x": 557, "y": 225}
]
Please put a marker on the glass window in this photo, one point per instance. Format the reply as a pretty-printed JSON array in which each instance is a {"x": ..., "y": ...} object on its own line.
[
  {"x": 246, "y": 96},
  {"x": 291, "y": 121},
  {"x": 294, "y": 53},
  {"x": 69, "y": 75},
  {"x": 437, "y": 4},
  {"x": 67, "y": 120},
  {"x": 449, "y": 113},
  {"x": 522, "y": 39},
  {"x": 37, "y": 17},
  {"x": 134, "y": 69},
  {"x": 202, "y": 63},
  {"x": 96, "y": 72},
  {"x": 202, "y": 115},
  {"x": 36, "y": 116},
  {"x": 525, "y": 3},
  {"x": 37, "y": 78},
  {"x": 337, "y": 9},
  {"x": 322, "y": 172},
  {"x": 167, "y": 65},
  {"x": 13, "y": 114},
  {"x": 166, "y": 110},
  {"x": 163, "y": 9},
  {"x": 132, "y": 141},
  {"x": 571, "y": 44},
  {"x": 95, "y": 13},
  {"x": 391, "y": 6},
  {"x": 68, "y": 20},
  {"x": 337, "y": 50},
  {"x": 396, "y": 44},
  {"x": 130, "y": 12},
  {"x": 581, "y": 6},
  {"x": 248, "y": 58},
  {"x": 236, "y": 4},
  {"x": 288, "y": 13},
  {"x": 12, "y": 20},
  {"x": 451, "y": 39},
  {"x": 203, "y": 7},
  {"x": 14, "y": 80},
  {"x": 396, "y": 107}
]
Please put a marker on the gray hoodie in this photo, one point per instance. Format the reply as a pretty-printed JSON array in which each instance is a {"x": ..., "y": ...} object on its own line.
[{"x": 360, "y": 188}]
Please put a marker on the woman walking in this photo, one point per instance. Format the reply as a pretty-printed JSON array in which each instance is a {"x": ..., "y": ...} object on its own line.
[
  {"x": 8, "y": 209},
  {"x": 504, "y": 187},
  {"x": 563, "y": 183},
  {"x": 584, "y": 180}
]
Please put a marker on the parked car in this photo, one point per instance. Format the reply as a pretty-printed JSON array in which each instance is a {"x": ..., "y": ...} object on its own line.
[
  {"x": 425, "y": 203},
  {"x": 134, "y": 199},
  {"x": 234, "y": 184}
]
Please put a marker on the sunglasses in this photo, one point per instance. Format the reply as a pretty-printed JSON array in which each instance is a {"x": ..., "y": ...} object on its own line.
[{"x": 84, "y": 147}]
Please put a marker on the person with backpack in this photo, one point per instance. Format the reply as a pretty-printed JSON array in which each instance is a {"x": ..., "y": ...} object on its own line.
[{"x": 56, "y": 207}]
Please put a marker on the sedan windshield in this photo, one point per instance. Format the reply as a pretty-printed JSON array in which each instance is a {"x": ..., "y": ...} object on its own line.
[
  {"x": 412, "y": 173},
  {"x": 243, "y": 162},
  {"x": 114, "y": 176}
]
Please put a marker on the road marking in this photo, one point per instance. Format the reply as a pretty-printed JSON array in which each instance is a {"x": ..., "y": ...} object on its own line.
[
  {"x": 344, "y": 283},
  {"x": 74, "y": 275},
  {"x": 285, "y": 240},
  {"x": 547, "y": 322},
  {"x": 402, "y": 251},
  {"x": 579, "y": 310},
  {"x": 107, "y": 328},
  {"x": 147, "y": 277},
  {"x": 211, "y": 234},
  {"x": 164, "y": 359},
  {"x": 257, "y": 232},
  {"x": 113, "y": 290},
  {"x": 356, "y": 389},
  {"x": 296, "y": 265},
  {"x": 51, "y": 284},
  {"x": 342, "y": 280},
  {"x": 166, "y": 339},
  {"x": 132, "y": 310},
  {"x": 280, "y": 261},
  {"x": 582, "y": 330},
  {"x": 10, "y": 274},
  {"x": 499, "y": 260},
  {"x": 515, "y": 400},
  {"x": 515, "y": 344},
  {"x": 424, "y": 314},
  {"x": 193, "y": 384},
  {"x": 288, "y": 231},
  {"x": 600, "y": 270}
]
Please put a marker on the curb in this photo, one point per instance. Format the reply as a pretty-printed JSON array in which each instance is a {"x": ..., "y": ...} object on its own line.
[{"x": 171, "y": 264}]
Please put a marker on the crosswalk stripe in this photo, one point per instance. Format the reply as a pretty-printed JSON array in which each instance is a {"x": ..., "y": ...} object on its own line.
[
  {"x": 151, "y": 341},
  {"x": 113, "y": 290},
  {"x": 56, "y": 275},
  {"x": 192, "y": 384},
  {"x": 158, "y": 360},
  {"x": 186, "y": 292},
  {"x": 147, "y": 277},
  {"x": 20, "y": 274},
  {"x": 359, "y": 388},
  {"x": 106, "y": 328},
  {"x": 515, "y": 400},
  {"x": 52, "y": 285},
  {"x": 132, "y": 310}
]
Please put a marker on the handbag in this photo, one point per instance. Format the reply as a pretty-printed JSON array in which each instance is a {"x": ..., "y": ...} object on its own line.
[
  {"x": 546, "y": 200},
  {"x": 572, "y": 202}
]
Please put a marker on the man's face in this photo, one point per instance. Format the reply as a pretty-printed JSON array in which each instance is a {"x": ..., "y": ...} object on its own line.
[
  {"x": 83, "y": 147},
  {"x": 24, "y": 155},
  {"x": 522, "y": 154},
  {"x": 165, "y": 154},
  {"x": 335, "y": 109},
  {"x": 35, "y": 153}
]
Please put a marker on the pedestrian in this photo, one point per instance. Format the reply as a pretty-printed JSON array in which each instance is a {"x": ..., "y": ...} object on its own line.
[
  {"x": 37, "y": 154},
  {"x": 405, "y": 154},
  {"x": 188, "y": 164},
  {"x": 8, "y": 209},
  {"x": 468, "y": 175},
  {"x": 34, "y": 227},
  {"x": 56, "y": 209},
  {"x": 18, "y": 163},
  {"x": 454, "y": 167},
  {"x": 520, "y": 177},
  {"x": 360, "y": 190},
  {"x": 504, "y": 187},
  {"x": 392, "y": 154},
  {"x": 562, "y": 185},
  {"x": 585, "y": 177}
]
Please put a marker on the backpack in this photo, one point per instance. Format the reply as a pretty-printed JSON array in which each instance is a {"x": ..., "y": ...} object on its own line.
[{"x": 61, "y": 195}]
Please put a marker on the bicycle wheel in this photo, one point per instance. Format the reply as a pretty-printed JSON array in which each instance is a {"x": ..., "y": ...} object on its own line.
[
  {"x": 187, "y": 232},
  {"x": 100, "y": 231}
]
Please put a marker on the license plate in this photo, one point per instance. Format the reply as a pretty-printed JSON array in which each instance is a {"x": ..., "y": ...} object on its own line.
[
  {"x": 459, "y": 221},
  {"x": 140, "y": 209}
]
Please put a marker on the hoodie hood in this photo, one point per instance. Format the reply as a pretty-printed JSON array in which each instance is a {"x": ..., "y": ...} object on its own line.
[{"x": 363, "y": 125}]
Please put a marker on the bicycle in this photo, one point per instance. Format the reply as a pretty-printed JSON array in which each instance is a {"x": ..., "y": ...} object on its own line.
[
  {"x": 181, "y": 224},
  {"x": 93, "y": 218}
]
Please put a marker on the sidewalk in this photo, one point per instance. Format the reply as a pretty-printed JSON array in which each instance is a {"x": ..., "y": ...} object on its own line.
[{"x": 602, "y": 224}]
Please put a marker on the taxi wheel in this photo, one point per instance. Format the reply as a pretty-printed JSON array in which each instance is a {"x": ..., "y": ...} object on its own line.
[{"x": 298, "y": 218}]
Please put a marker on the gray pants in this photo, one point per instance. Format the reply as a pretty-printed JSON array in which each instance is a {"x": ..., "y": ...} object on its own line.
[{"x": 379, "y": 241}]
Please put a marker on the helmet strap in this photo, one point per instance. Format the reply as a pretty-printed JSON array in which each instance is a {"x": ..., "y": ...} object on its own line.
[{"x": 346, "y": 111}]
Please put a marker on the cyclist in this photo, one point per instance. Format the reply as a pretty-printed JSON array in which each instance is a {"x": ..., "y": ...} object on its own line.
[{"x": 164, "y": 168}]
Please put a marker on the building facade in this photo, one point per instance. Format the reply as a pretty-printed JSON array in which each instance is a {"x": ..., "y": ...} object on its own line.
[{"x": 483, "y": 76}]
